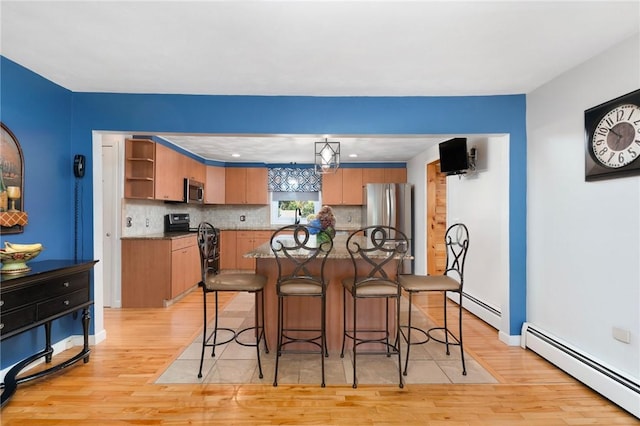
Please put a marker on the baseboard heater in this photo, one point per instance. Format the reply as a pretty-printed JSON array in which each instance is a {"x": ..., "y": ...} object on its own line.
[
  {"x": 482, "y": 310},
  {"x": 621, "y": 390}
]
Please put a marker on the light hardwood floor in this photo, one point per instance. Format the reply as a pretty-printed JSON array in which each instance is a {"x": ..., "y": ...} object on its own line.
[{"x": 116, "y": 387}]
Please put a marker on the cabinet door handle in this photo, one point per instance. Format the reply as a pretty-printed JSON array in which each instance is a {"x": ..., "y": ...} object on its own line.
[
  {"x": 66, "y": 303},
  {"x": 1, "y": 302},
  {"x": 65, "y": 284},
  {"x": 1, "y": 326}
]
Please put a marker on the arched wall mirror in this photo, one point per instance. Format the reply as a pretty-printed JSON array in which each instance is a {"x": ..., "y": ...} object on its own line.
[{"x": 13, "y": 218}]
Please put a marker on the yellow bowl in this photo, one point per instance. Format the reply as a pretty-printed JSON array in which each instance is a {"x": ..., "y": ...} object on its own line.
[{"x": 16, "y": 262}]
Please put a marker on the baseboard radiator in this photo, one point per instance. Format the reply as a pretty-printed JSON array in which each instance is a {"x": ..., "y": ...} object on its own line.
[
  {"x": 621, "y": 390},
  {"x": 482, "y": 310}
]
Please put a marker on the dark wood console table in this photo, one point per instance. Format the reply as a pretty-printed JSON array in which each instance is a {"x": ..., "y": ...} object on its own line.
[{"x": 52, "y": 289}]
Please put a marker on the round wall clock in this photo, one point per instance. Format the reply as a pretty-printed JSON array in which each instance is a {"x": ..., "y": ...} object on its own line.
[{"x": 612, "y": 133}]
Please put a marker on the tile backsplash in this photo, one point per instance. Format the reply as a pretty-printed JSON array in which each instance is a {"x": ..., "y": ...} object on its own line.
[{"x": 147, "y": 216}]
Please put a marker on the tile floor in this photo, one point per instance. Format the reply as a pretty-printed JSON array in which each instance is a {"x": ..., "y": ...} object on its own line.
[{"x": 235, "y": 364}]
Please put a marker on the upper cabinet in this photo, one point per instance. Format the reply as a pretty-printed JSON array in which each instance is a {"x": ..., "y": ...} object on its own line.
[
  {"x": 139, "y": 174},
  {"x": 156, "y": 172},
  {"x": 169, "y": 174},
  {"x": 344, "y": 187},
  {"x": 214, "y": 185},
  {"x": 194, "y": 170},
  {"x": 246, "y": 185},
  {"x": 384, "y": 175}
]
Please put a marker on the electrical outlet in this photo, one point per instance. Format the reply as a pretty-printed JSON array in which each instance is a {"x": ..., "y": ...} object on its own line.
[
  {"x": 621, "y": 335},
  {"x": 243, "y": 218},
  {"x": 129, "y": 222},
  {"x": 146, "y": 222}
]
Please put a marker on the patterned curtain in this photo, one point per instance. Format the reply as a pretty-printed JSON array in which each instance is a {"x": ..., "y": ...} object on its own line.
[{"x": 286, "y": 179}]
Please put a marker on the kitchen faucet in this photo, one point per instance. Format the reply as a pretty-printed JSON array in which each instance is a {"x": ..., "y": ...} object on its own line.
[{"x": 298, "y": 215}]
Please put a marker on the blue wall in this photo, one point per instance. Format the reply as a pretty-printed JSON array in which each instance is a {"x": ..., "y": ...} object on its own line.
[
  {"x": 38, "y": 113},
  {"x": 258, "y": 114}
]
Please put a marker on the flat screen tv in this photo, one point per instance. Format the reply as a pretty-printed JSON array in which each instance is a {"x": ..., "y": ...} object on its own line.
[{"x": 453, "y": 156}]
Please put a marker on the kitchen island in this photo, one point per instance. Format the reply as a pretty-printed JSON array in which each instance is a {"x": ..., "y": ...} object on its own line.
[{"x": 306, "y": 311}]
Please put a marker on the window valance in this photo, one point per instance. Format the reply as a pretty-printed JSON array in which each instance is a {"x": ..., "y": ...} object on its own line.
[{"x": 290, "y": 179}]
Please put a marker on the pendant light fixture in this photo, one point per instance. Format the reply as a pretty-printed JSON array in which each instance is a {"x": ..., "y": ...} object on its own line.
[{"x": 327, "y": 157}]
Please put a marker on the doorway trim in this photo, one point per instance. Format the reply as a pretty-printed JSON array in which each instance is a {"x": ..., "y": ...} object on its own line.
[{"x": 436, "y": 218}]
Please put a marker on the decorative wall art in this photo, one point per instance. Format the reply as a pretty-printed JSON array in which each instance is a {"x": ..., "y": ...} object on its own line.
[{"x": 12, "y": 217}]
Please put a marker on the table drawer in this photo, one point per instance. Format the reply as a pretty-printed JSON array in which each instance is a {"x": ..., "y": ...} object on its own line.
[
  {"x": 40, "y": 291},
  {"x": 17, "y": 318},
  {"x": 62, "y": 303}
]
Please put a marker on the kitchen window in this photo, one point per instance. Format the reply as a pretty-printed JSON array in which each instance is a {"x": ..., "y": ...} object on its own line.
[{"x": 284, "y": 205}]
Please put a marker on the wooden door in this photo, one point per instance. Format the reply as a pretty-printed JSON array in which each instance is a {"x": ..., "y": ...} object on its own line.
[{"x": 436, "y": 219}]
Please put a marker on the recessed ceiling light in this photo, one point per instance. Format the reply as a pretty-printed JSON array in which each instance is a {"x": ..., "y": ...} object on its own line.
[
  {"x": 353, "y": 155},
  {"x": 235, "y": 155}
]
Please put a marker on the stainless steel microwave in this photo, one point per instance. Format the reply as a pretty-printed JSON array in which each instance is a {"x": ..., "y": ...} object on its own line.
[{"x": 193, "y": 191}]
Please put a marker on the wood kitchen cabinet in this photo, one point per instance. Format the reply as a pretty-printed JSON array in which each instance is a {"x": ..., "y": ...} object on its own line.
[
  {"x": 193, "y": 169},
  {"x": 169, "y": 177},
  {"x": 384, "y": 175},
  {"x": 234, "y": 245},
  {"x": 395, "y": 175},
  {"x": 246, "y": 185},
  {"x": 157, "y": 270},
  {"x": 344, "y": 187},
  {"x": 185, "y": 272},
  {"x": 214, "y": 185},
  {"x": 228, "y": 250},
  {"x": 139, "y": 165}
]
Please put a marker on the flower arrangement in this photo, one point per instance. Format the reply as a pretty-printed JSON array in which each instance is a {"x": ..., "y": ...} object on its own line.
[{"x": 323, "y": 224}]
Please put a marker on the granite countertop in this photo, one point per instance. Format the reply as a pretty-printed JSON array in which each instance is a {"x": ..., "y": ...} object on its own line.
[
  {"x": 174, "y": 235},
  {"x": 161, "y": 236},
  {"x": 339, "y": 250}
]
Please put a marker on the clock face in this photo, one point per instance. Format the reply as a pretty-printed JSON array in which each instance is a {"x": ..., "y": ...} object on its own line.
[{"x": 616, "y": 138}]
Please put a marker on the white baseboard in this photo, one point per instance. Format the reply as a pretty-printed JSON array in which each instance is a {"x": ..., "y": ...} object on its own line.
[
  {"x": 613, "y": 385},
  {"x": 488, "y": 314}
]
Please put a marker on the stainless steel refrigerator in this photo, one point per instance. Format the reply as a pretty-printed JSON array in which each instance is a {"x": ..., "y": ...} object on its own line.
[{"x": 390, "y": 204}]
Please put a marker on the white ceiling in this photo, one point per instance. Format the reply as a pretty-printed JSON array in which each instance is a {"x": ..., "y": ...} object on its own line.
[{"x": 312, "y": 48}]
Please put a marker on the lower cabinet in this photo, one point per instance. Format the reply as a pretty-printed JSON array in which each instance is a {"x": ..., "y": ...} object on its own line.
[
  {"x": 157, "y": 270},
  {"x": 234, "y": 245},
  {"x": 184, "y": 273}
]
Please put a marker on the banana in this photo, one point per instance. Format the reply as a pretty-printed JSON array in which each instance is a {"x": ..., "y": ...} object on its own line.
[{"x": 24, "y": 248}]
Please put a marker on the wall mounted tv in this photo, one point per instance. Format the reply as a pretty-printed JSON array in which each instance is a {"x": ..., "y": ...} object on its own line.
[{"x": 453, "y": 156}]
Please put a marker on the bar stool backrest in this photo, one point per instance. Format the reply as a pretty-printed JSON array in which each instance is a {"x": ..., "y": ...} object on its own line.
[
  {"x": 375, "y": 252},
  {"x": 209, "y": 249},
  {"x": 296, "y": 251},
  {"x": 456, "y": 240}
]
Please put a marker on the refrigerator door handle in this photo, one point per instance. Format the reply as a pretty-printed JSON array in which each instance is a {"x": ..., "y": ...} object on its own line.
[{"x": 391, "y": 206}]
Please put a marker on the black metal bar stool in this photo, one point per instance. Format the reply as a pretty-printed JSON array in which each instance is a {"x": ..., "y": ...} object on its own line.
[
  {"x": 376, "y": 253},
  {"x": 214, "y": 282},
  {"x": 300, "y": 274},
  {"x": 457, "y": 244}
]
